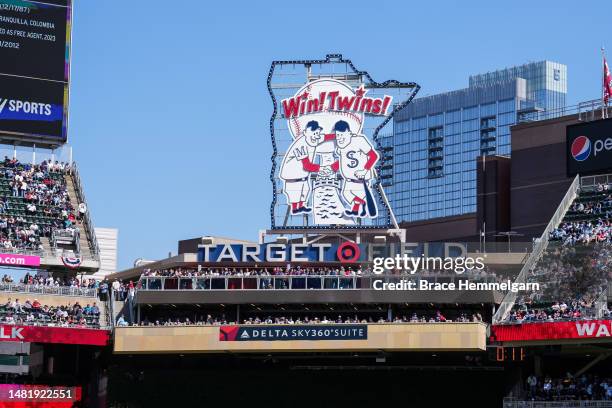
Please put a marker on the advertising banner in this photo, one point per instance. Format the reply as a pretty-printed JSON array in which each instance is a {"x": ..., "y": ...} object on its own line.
[
  {"x": 19, "y": 260},
  {"x": 59, "y": 335},
  {"x": 589, "y": 148},
  {"x": 299, "y": 332},
  {"x": 291, "y": 338},
  {"x": 580, "y": 329},
  {"x": 345, "y": 252},
  {"x": 34, "y": 70}
]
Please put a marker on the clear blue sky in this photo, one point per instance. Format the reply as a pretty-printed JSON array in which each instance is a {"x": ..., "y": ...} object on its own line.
[{"x": 169, "y": 106}]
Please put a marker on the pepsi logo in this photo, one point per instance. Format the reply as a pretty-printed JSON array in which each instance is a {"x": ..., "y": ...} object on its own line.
[{"x": 581, "y": 148}]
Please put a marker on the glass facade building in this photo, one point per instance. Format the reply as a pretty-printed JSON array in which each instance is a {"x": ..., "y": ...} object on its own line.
[{"x": 430, "y": 166}]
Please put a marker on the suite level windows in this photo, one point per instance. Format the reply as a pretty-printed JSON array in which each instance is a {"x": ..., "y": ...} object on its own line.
[
  {"x": 488, "y": 135},
  {"x": 386, "y": 169},
  {"x": 435, "y": 152}
]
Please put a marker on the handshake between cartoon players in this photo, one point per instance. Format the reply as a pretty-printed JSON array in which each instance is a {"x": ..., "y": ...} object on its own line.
[{"x": 356, "y": 159}]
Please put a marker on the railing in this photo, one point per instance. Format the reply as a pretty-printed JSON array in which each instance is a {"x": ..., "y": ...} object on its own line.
[
  {"x": 294, "y": 282},
  {"x": 538, "y": 250},
  {"x": 587, "y": 313},
  {"x": 49, "y": 290},
  {"x": 61, "y": 235},
  {"x": 590, "y": 183},
  {"x": 499, "y": 247},
  {"x": 89, "y": 230},
  {"x": 70, "y": 326},
  {"x": 601, "y": 304},
  {"x": 20, "y": 251},
  {"x": 556, "y": 404},
  {"x": 586, "y": 111},
  {"x": 110, "y": 308}
]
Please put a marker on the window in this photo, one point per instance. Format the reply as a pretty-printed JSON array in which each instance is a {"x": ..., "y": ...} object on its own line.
[
  {"x": 435, "y": 152},
  {"x": 488, "y": 135}
]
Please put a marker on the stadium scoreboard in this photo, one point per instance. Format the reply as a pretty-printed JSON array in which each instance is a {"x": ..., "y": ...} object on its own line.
[{"x": 34, "y": 71}]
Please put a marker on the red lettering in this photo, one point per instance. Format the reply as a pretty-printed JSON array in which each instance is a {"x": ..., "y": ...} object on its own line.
[
  {"x": 322, "y": 100},
  {"x": 386, "y": 102},
  {"x": 345, "y": 102},
  {"x": 332, "y": 101},
  {"x": 366, "y": 105},
  {"x": 376, "y": 105},
  {"x": 292, "y": 107},
  {"x": 313, "y": 105}
]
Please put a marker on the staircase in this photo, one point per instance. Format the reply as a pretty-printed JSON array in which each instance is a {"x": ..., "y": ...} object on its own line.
[
  {"x": 46, "y": 243},
  {"x": 103, "y": 314},
  {"x": 85, "y": 234}
]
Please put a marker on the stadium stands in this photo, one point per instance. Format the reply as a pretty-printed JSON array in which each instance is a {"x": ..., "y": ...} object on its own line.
[
  {"x": 588, "y": 220},
  {"x": 437, "y": 317},
  {"x": 40, "y": 211},
  {"x": 37, "y": 314},
  {"x": 567, "y": 388},
  {"x": 35, "y": 203},
  {"x": 292, "y": 278},
  {"x": 575, "y": 270}
]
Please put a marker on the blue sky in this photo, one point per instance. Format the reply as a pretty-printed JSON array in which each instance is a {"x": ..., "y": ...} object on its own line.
[{"x": 169, "y": 106}]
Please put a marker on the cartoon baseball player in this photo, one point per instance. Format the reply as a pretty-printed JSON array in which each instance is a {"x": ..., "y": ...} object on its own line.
[
  {"x": 357, "y": 158},
  {"x": 299, "y": 163}
]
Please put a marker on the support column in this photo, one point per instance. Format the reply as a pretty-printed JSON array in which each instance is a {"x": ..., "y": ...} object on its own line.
[{"x": 537, "y": 365}]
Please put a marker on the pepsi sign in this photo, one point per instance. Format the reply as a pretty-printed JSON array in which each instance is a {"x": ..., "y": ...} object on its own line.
[
  {"x": 581, "y": 148},
  {"x": 589, "y": 148}
]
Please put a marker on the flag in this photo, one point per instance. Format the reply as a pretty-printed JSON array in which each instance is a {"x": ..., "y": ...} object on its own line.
[{"x": 607, "y": 82}]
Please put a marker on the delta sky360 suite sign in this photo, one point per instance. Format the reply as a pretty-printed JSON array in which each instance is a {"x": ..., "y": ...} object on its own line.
[{"x": 327, "y": 157}]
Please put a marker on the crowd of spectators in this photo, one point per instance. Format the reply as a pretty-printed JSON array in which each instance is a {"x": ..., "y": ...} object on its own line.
[
  {"x": 121, "y": 290},
  {"x": 293, "y": 270},
  {"x": 575, "y": 274},
  {"x": 583, "y": 232},
  {"x": 278, "y": 277},
  {"x": 209, "y": 319},
  {"x": 577, "y": 264},
  {"x": 37, "y": 282},
  {"x": 47, "y": 204},
  {"x": 568, "y": 388},
  {"x": 589, "y": 218},
  {"x": 35, "y": 314},
  {"x": 574, "y": 310}
]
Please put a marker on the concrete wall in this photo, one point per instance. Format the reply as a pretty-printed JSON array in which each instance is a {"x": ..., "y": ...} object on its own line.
[{"x": 538, "y": 175}]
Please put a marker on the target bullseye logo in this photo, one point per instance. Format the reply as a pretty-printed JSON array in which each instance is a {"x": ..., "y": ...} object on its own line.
[
  {"x": 348, "y": 252},
  {"x": 581, "y": 148}
]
